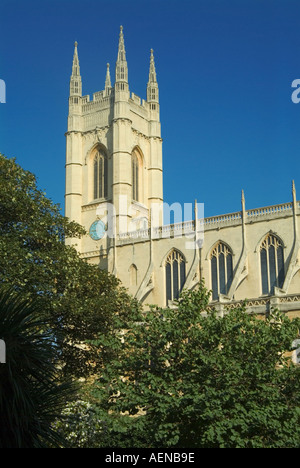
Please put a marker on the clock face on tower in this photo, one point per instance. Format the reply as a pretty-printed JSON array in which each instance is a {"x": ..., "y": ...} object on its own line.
[{"x": 97, "y": 230}]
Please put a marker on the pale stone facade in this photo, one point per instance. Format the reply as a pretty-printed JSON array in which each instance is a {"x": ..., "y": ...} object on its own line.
[{"x": 114, "y": 186}]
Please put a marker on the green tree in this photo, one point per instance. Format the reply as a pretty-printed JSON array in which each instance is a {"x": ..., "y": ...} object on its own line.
[
  {"x": 78, "y": 299},
  {"x": 81, "y": 426},
  {"x": 191, "y": 378},
  {"x": 31, "y": 395}
]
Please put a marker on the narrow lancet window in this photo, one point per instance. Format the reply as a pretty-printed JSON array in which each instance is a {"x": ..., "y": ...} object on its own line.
[
  {"x": 133, "y": 275},
  {"x": 221, "y": 270},
  {"x": 100, "y": 175},
  {"x": 135, "y": 177}
]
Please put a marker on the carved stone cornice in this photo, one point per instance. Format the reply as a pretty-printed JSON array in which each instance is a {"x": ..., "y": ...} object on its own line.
[
  {"x": 76, "y": 132},
  {"x": 122, "y": 119},
  {"x": 96, "y": 133},
  {"x": 139, "y": 134}
]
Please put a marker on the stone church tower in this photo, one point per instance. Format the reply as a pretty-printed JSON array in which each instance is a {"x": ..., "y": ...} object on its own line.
[
  {"x": 114, "y": 185},
  {"x": 113, "y": 158}
]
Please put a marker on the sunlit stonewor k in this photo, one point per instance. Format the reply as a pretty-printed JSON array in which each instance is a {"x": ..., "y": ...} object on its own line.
[{"x": 114, "y": 174}]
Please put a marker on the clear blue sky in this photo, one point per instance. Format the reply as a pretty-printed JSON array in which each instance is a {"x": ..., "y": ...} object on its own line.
[{"x": 224, "y": 70}]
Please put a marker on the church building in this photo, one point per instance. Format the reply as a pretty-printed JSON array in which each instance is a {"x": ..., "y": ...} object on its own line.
[{"x": 114, "y": 188}]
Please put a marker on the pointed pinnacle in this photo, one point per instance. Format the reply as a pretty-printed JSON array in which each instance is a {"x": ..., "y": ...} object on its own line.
[
  {"x": 75, "y": 66},
  {"x": 294, "y": 190},
  {"x": 107, "y": 80},
  {"x": 152, "y": 71},
  {"x": 243, "y": 201},
  {"x": 121, "y": 48}
]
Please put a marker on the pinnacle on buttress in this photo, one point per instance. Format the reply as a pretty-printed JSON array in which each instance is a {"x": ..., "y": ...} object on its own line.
[
  {"x": 75, "y": 82},
  {"x": 75, "y": 67},
  {"x": 294, "y": 193},
  {"x": 107, "y": 79},
  {"x": 152, "y": 71},
  {"x": 243, "y": 201},
  {"x": 152, "y": 87},
  {"x": 121, "y": 65},
  {"x": 121, "y": 48}
]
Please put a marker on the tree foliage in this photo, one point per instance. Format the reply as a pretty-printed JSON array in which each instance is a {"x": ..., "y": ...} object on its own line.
[
  {"x": 78, "y": 299},
  {"x": 31, "y": 395},
  {"x": 80, "y": 426},
  {"x": 189, "y": 377}
]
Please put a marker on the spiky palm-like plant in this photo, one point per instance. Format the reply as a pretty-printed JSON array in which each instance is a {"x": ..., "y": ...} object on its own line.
[{"x": 31, "y": 396}]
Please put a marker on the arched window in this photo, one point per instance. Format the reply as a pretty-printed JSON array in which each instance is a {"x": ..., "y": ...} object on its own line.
[
  {"x": 175, "y": 275},
  {"x": 221, "y": 270},
  {"x": 133, "y": 275},
  {"x": 100, "y": 175},
  {"x": 272, "y": 264},
  {"x": 135, "y": 176}
]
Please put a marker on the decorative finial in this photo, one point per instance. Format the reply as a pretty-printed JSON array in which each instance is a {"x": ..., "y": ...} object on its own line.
[
  {"x": 295, "y": 207},
  {"x": 152, "y": 72},
  {"x": 243, "y": 201},
  {"x": 107, "y": 80},
  {"x": 121, "y": 48},
  {"x": 294, "y": 189},
  {"x": 75, "y": 84}
]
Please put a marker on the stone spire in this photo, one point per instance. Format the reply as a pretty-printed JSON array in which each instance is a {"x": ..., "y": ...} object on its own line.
[
  {"x": 121, "y": 65},
  {"x": 294, "y": 193},
  {"x": 243, "y": 200},
  {"x": 107, "y": 79},
  {"x": 75, "y": 67},
  {"x": 152, "y": 87},
  {"x": 152, "y": 71},
  {"x": 121, "y": 49},
  {"x": 75, "y": 82},
  {"x": 294, "y": 190}
]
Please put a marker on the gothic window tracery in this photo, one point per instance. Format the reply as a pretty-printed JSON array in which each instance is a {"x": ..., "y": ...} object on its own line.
[
  {"x": 100, "y": 175},
  {"x": 175, "y": 275},
  {"x": 272, "y": 264},
  {"x": 221, "y": 270}
]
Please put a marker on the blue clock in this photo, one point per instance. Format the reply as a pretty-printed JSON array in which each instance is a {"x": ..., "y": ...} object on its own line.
[{"x": 97, "y": 230}]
